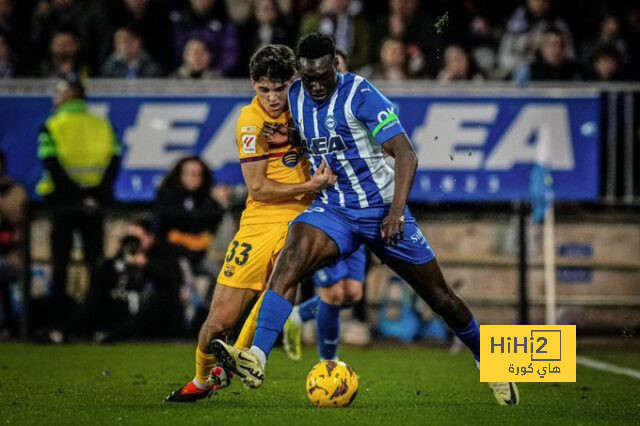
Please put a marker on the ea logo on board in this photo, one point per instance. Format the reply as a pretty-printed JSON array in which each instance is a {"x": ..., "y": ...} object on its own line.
[
  {"x": 330, "y": 122},
  {"x": 291, "y": 159}
]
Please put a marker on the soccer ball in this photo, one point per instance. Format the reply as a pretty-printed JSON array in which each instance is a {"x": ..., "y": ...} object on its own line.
[{"x": 332, "y": 384}]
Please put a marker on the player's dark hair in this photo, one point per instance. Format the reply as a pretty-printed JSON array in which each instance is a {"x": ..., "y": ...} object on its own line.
[
  {"x": 316, "y": 45},
  {"x": 275, "y": 62}
]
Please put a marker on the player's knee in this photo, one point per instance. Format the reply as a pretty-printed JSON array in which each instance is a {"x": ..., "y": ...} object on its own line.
[
  {"x": 444, "y": 303},
  {"x": 352, "y": 292},
  {"x": 333, "y": 295}
]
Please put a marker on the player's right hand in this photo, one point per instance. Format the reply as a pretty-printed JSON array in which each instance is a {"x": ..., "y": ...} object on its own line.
[{"x": 323, "y": 177}]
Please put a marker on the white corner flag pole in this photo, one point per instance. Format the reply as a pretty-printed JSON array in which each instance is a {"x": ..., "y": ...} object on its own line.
[
  {"x": 549, "y": 243},
  {"x": 549, "y": 254}
]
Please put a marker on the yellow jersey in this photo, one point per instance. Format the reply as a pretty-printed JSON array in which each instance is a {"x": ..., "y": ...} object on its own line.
[{"x": 286, "y": 164}]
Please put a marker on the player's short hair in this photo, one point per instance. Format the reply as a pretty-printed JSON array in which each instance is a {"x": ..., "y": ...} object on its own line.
[
  {"x": 316, "y": 45},
  {"x": 275, "y": 62}
]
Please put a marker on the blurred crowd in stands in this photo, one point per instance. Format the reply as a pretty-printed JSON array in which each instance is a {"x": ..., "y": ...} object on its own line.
[{"x": 456, "y": 40}]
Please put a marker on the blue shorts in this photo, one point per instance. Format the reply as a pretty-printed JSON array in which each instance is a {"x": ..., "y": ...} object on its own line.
[
  {"x": 352, "y": 267},
  {"x": 350, "y": 228}
]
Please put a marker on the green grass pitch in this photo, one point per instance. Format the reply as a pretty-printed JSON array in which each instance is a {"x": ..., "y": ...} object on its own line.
[{"x": 126, "y": 383}]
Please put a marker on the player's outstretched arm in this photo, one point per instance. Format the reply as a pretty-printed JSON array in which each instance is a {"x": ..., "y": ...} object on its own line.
[
  {"x": 406, "y": 163},
  {"x": 261, "y": 188}
]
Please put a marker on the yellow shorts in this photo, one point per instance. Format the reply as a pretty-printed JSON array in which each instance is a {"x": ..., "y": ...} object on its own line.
[{"x": 251, "y": 255}]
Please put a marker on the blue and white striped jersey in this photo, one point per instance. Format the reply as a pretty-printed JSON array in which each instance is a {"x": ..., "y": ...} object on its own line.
[{"x": 347, "y": 130}]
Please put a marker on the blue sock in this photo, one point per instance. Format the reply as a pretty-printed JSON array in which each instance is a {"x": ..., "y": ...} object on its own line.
[
  {"x": 309, "y": 309},
  {"x": 273, "y": 314},
  {"x": 328, "y": 322},
  {"x": 470, "y": 336}
]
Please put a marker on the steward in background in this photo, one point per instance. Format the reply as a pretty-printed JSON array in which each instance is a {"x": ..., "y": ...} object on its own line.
[{"x": 80, "y": 156}]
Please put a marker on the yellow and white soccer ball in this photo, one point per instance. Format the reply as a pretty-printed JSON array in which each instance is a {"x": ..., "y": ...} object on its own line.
[{"x": 332, "y": 384}]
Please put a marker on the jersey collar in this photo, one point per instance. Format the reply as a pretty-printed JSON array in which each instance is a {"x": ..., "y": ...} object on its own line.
[{"x": 74, "y": 105}]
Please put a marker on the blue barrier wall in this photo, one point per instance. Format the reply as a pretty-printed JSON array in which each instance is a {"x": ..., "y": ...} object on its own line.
[{"x": 470, "y": 148}]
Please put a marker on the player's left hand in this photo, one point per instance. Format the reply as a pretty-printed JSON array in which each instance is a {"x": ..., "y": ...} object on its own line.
[{"x": 392, "y": 227}]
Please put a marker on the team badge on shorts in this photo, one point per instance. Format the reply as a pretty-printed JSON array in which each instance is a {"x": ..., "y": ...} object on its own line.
[
  {"x": 229, "y": 270},
  {"x": 291, "y": 159}
]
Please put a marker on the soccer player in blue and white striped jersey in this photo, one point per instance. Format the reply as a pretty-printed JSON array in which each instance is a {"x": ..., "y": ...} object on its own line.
[{"x": 345, "y": 122}]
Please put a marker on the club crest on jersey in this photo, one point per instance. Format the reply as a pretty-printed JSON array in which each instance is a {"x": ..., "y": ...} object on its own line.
[
  {"x": 321, "y": 146},
  {"x": 330, "y": 122},
  {"x": 229, "y": 270},
  {"x": 291, "y": 159},
  {"x": 249, "y": 143}
]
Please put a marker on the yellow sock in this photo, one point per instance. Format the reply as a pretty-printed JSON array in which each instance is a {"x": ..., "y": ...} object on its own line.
[
  {"x": 245, "y": 338},
  {"x": 204, "y": 364}
]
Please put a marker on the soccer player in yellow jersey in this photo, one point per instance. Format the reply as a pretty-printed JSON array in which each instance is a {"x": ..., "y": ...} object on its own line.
[{"x": 277, "y": 178}]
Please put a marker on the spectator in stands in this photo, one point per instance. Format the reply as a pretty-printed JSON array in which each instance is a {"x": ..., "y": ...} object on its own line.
[
  {"x": 342, "y": 20},
  {"x": 50, "y": 15},
  {"x": 606, "y": 65},
  {"x": 13, "y": 201},
  {"x": 151, "y": 20},
  {"x": 409, "y": 23},
  {"x": 267, "y": 25},
  {"x": 64, "y": 57},
  {"x": 80, "y": 157},
  {"x": 187, "y": 215},
  {"x": 7, "y": 65},
  {"x": 196, "y": 62},
  {"x": 458, "y": 66},
  {"x": 14, "y": 29},
  {"x": 208, "y": 21},
  {"x": 632, "y": 32},
  {"x": 610, "y": 35},
  {"x": 393, "y": 61},
  {"x": 523, "y": 33},
  {"x": 482, "y": 44},
  {"x": 552, "y": 61},
  {"x": 129, "y": 59},
  {"x": 7, "y": 19}
]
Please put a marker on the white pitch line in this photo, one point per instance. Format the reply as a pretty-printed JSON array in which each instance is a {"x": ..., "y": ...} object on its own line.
[{"x": 605, "y": 366}]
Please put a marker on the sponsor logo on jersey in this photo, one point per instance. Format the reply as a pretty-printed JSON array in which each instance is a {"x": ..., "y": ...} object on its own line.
[
  {"x": 249, "y": 143},
  {"x": 321, "y": 146},
  {"x": 291, "y": 159}
]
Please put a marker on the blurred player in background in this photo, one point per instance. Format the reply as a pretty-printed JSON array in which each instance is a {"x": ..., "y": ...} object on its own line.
[
  {"x": 277, "y": 178},
  {"x": 341, "y": 286},
  {"x": 344, "y": 121}
]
